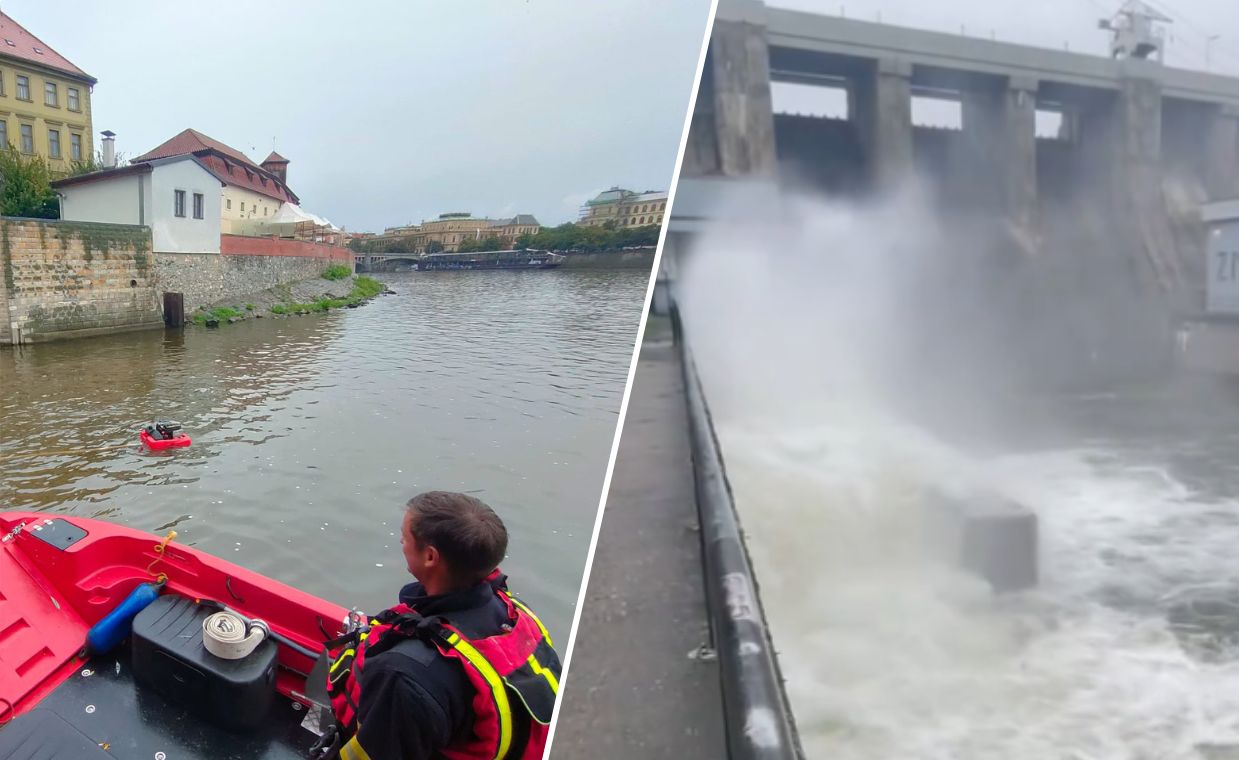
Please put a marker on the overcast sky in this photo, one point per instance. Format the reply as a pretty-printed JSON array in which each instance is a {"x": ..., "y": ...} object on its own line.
[
  {"x": 391, "y": 112},
  {"x": 1057, "y": 24}
]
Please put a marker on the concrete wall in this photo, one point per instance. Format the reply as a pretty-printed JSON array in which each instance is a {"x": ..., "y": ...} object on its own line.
[
  {"x": 71, "y": 279},
  {"x": 109, "y": 201},
  {"x": 1222, "y": 268},
  {"x": 247, "y": 265},
  {"x": 173, "y": 234},
  {"x": 642, "y": 259}
]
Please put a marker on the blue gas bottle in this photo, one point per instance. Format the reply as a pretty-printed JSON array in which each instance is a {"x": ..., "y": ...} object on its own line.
[{"x": 118, "y": 623}]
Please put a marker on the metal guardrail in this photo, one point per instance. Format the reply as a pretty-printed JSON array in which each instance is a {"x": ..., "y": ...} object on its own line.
[{"x": 755, "y": 708}]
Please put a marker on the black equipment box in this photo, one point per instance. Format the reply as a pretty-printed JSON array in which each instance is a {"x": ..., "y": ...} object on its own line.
[{"x": 169, "y": 657}]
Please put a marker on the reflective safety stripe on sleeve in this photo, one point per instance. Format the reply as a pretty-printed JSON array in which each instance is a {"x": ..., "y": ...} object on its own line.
[{"x": 498, "y": 690}]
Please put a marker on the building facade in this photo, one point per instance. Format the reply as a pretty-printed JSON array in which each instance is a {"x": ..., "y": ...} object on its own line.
[
  {"x": 618, "y": 207},
  {"x": 252, "y": 192},
  {"x": 177, "y": 197},
  {"x": 44, "y": 100},
  {"x": 450, "y": 230}
]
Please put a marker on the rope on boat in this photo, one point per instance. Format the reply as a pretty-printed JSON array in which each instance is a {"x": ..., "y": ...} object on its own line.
[
  {"x": 159, "y": 552},
  {"x": 229, "y": 636}
]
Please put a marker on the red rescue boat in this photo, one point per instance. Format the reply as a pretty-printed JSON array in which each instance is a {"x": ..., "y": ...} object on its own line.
[
  {"x": 160, "y": 693},
  {"x": 162, "y": 435}
]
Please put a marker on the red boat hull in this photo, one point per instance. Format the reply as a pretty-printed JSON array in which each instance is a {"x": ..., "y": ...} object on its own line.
[
  {"x": 51, "y": 595},
  {"x": 180, "y": 440}
]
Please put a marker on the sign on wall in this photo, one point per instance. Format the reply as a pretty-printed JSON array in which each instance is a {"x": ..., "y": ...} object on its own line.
[{"x": 1223, "y": 268}]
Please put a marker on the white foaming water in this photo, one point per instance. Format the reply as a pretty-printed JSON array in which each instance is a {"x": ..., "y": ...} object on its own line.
[{"x": 889, "y": 652}]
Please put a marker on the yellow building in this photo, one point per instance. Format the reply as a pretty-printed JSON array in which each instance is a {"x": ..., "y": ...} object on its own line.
[
  {"x": 44, "y": 100},
  {"x": 624, "y": 208},
  {"x": 450, "y": 230}
]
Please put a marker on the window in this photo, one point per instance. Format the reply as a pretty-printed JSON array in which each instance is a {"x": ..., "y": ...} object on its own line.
[
  {"x": 23, "y": 87},
  {"x": 1, "y": 82},
  {"x": 4, "y": 134},
  {"x": 75, "y": 103},
  {"x": 27, "y": 138},
  {"x": 75, "y": 146},
  {"x": 179, "y": 206},
  {"x": 49, "y": 94},
  {"x": 198, "y": 203},
  {"x": 229, "y": 204},
  {"x": 242, "y": 207},
  {"x": 53, "y": 143},
  {"x": 264, "y": 210}
]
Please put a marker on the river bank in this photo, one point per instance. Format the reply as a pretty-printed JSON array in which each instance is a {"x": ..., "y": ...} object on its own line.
[
  {"x": 638, "y": 258},
  {"x": 331, "y": 290}
]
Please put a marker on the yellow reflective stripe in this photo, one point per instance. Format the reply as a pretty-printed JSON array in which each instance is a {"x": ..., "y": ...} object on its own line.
[
  {"x": 353, "y": 751},
  {"x": 545, "y": 633},
  {"x": 538, "y": 670},
  {"x": 497, "y": 690},
  {"x": 349, "y": 653}
]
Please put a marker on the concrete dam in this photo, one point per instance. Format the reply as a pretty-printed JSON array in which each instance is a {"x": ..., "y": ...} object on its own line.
[
  {"x": 1104, "y": 212},
  {"x": 882, "y": 315}
]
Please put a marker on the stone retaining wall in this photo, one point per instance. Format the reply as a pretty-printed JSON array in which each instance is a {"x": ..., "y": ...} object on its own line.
[
  {"x": 246, "y": 265},
  {"x": 70, "y": 279},
  {"x": 640, "y": 259}
]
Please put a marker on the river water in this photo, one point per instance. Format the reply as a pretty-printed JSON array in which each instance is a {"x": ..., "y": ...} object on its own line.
[
  {"x": 311, "y": 432},
  {"x": 837, "y": 415}
]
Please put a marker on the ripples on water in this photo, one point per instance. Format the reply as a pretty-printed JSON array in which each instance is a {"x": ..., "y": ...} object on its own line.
[{"x": 311, "y": 432}]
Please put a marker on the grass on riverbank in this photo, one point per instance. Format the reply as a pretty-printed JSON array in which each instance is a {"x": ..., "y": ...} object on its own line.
[
  {"x": 363, "y": 288},
  {"x": 219, "y": 314},
  {"x": 337, "y": 272}
]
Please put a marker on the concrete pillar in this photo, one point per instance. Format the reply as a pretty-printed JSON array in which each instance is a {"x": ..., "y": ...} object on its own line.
[
  {"x": 882, "y": 108},
  {"x": 987, "y": 535},
  {"x": 1222, "y": 153},
  {"x": 1000, "y": 126},
  {"x": 701, "y": 152},
  {"x": 743, "y": 110},
  {"x": 1136, "y": 177}
]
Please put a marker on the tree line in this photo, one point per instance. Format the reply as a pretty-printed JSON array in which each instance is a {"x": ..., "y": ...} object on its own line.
[{"x": 565, "y": 237}]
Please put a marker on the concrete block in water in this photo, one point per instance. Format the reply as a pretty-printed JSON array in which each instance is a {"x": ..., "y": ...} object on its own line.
[{"x": 991, "y": 536}]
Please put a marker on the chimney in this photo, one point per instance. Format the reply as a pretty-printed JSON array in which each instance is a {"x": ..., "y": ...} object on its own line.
[
  {"x": 109, "y": 149},
  {"x": 277, "y": 165}
]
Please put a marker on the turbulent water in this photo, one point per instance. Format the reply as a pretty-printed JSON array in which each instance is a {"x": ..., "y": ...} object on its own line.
[
  {"x": 1128, "y": 649},
  {"x": 311, "y": 432}
]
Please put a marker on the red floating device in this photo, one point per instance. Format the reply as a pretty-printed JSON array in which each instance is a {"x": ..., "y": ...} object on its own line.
[{"x": 163, "y": 435}]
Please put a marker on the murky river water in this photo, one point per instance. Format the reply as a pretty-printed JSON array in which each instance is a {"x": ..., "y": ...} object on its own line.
[{"x": 310, "y": 433}]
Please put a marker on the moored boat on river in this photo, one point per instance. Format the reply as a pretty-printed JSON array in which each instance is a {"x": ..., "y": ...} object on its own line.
[{"x": 489, "y": 260}]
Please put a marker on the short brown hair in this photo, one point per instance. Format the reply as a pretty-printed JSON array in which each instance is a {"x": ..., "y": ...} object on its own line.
[{"x": 468, "y": 533}]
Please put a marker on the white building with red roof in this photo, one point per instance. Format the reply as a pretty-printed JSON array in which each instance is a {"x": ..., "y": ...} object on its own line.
[{"x": 253, "y": 193}]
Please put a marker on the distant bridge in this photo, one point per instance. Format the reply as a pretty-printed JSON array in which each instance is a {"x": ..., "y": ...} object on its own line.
[{"x": 378, "y": 262}]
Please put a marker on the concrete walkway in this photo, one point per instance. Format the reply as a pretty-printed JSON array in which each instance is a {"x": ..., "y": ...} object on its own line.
[{"x": 633, "y": 691}]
